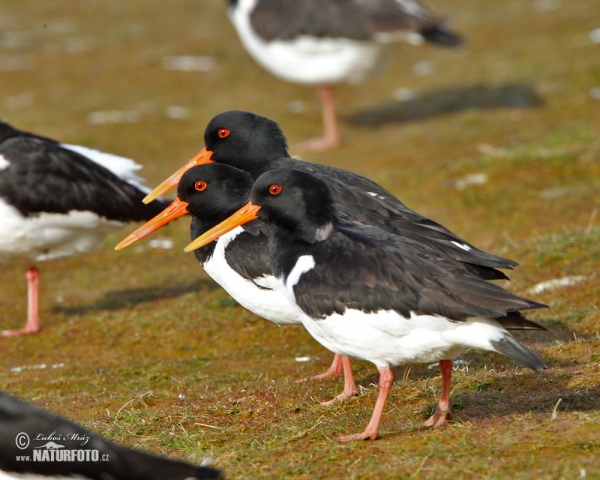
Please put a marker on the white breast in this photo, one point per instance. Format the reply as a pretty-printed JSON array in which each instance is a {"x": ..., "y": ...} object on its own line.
[{"x": 268, "y": 303}]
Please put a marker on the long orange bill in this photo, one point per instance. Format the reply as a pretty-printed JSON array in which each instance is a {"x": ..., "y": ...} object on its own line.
[
  {"x": 173, "y": 180},
  {"x": 175, "y": 210},
  {"x": 244, "y": 215}
]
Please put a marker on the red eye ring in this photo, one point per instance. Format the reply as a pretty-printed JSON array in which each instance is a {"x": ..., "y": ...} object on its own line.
[
  {"x": 223, "y": 133},
  {"x": 274, "y": 189},
  {"x": 200, "y": 185}
]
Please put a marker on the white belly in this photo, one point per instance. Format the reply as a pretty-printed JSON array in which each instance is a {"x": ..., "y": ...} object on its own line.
[
  {"x": 268, "y": 303},
  {"x": 50, "y": 235},
  {"x": 386, "y": 337}
]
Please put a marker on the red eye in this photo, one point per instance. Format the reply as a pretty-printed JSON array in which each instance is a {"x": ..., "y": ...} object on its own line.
[
  {"x": 223, "y": 133},
  {"x": 200, "y": 185},
  {"x": 274, "y": 189}
]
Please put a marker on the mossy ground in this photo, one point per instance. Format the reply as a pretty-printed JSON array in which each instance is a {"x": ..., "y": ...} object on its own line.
[{"x": 154, "y": 355}]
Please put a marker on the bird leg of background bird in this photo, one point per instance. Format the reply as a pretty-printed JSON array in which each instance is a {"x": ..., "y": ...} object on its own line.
[
  {"x": 349, "y": 385},
  {"x": 386, "y": 378},
  {"x": 331, "y": 137},
  {"x": 442, "y": 411},
  {"x": 334, "y": 369},
  {"x": 33, "y": 316}
]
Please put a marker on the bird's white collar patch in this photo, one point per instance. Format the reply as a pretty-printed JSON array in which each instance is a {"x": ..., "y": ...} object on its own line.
[{"x": 304, "y": 264}]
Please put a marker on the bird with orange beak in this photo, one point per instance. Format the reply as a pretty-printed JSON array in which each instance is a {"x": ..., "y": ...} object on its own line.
[{"x": 365, "y": 293}]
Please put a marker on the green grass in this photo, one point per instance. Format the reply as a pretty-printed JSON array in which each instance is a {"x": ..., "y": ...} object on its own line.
[{"x": 156, "y": 356}]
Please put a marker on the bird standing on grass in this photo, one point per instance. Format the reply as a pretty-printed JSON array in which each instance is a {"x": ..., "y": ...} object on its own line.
[
  {"x": 59, "y": 200},
  {"x": 327, "y": 42},
  {"x": 364, "y": 293}
]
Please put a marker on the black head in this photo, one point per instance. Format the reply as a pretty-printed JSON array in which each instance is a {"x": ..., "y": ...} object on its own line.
[
  {"x": 214, "y": 191},
  {"x": 298, "y": 203},
  {"x": 245, "y": 140}
]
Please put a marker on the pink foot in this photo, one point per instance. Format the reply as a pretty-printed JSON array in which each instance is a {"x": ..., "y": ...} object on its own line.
[
  {"x": 19, "y": 331},
  {"x": 321, "y": 144},
  {"x": 366, "y": 435},
  {"x": 386, "y": 378},
  {"x": 340, "y": 397},
  {"x": 439, "y": 418},
  {"x": 349, "y": 385},
  {"x": 334, "y": 369},
  {"x": 442, "y": 412}
]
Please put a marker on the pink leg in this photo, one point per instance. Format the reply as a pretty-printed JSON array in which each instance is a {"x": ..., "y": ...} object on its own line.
[
  {"x": 349, "y": 385},
  {"x": 33, "y": 317},
  {"x": 335, "y": 369},
  {"x": 331, "y": 136},
  {"x": 442, "y": 411},
  {"x": 386, "y": 378}
]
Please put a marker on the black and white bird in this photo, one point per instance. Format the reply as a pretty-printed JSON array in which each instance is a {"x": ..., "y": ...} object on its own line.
[
  {"x": 327, "y": 42},
  {"x": 67, "y": 450},
  {"x": 59, "y": 200},
  {"x": 365, "y": 293},
  {"x": 237, "y": 261}
]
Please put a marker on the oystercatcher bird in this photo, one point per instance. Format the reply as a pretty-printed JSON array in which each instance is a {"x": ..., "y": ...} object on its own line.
[
  {"x": 91, "y": 457},
  {"x": 238, "y": 261},
  {"x": 364, "y": 293},
  {"x": 59, "y": 200},
  {"x": 326, "y": 42}
]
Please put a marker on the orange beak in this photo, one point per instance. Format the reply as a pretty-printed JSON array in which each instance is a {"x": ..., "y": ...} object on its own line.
[
  {"x": 175, "y": 210},
  {"x": 244, "y": 215},
  {"x": 203, "y": 157}
]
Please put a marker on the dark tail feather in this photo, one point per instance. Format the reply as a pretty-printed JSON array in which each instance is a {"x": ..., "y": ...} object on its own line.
[
  {"x": 486, "y": 273},
  {"x": 441, "y": 35},
  {"x": 509, "y": 347},
  {"x": 516, "y": 321}
]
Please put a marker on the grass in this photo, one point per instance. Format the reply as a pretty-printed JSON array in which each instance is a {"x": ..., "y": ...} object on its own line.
[{"x": 149, "y": 352}]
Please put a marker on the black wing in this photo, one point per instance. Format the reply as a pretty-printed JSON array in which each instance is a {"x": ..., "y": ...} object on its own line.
[
  {"x": 361, "y": 199},
  {"x": 42, "y": 176},
  {"x": 355, "y": 205},
  {"x": 363, "y": 268},
  {"x": 359, "y": 20},
  {"x": 288, "y": 19},
  {"x": 248, "y": 255}
]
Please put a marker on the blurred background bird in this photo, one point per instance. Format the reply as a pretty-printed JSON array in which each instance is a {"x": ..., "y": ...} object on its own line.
[
  {"x": 59, "y": 200},
  {"x": 327, "y": 42},
  {"x": 22, "y": 423}
]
